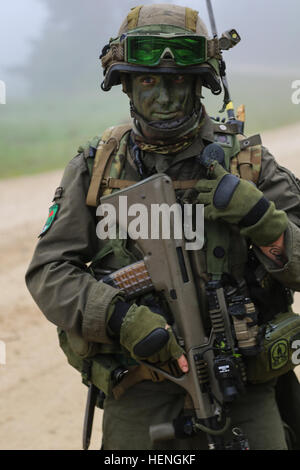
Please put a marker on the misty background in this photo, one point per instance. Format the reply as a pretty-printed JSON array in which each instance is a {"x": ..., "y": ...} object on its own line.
[{"x": 49, "y": 60}]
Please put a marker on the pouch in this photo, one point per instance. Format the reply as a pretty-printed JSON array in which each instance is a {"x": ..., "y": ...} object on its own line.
[
  {"x": 96, "y": 369},
  {"x": 277, "y": 355}
]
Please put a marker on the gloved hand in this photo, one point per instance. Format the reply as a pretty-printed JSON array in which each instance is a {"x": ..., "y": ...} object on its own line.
[
  {"x": 237, "y": 201},
  {"x": 143, "y": 333}
]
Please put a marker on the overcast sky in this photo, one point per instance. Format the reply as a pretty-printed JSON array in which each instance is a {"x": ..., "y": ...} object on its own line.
[
  {"x": 269, "y": 30},
  {"x": 20, "y": 22}
]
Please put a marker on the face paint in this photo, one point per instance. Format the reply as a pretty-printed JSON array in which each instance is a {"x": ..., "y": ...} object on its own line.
[{"x": 160, "y": 97}]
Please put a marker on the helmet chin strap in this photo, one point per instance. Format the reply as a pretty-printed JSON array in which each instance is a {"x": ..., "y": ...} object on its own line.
[{"x": 168, "y": 130}]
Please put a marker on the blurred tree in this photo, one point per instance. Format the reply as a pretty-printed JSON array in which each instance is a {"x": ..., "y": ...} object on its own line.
[{"x": 65, "y": 59}]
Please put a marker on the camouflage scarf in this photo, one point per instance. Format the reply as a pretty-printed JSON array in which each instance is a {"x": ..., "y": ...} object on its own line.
[{"x": 167, "y": 148}]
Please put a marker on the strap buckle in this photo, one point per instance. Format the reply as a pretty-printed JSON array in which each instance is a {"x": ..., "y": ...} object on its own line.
[{"x": 105, "y": 182}]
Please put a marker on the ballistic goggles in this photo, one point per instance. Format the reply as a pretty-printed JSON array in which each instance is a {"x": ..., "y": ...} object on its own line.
[
  {"x": 148, "y": 50},
  {"x": 142, "y": 52}
]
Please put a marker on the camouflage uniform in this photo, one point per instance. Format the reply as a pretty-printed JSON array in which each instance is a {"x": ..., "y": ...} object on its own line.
[{"x": 70, "y": 297}]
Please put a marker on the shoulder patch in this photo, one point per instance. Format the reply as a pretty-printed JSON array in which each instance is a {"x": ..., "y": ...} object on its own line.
[{"x": 53, "y": 210}]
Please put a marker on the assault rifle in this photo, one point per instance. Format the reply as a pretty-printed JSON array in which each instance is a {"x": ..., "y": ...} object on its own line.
[{"x": 216, "y": 374}]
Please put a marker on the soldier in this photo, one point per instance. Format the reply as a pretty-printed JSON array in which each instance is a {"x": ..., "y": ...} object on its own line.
[{"x": 162, "y": 61}]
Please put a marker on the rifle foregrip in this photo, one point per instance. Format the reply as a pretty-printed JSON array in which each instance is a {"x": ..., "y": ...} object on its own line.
[{"x": 162, "y": 432}]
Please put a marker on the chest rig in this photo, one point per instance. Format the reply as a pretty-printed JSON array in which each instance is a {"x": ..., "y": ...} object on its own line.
[
  {"x": 106, "y": 163},
  {"x": 106, "y": 159}
]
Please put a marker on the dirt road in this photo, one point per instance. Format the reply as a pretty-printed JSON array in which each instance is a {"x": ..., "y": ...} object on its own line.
[{"x": 42, "y": 399}]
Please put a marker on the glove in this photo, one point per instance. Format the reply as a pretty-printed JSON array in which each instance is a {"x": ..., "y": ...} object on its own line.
[
  {"x": 143, "y": 333},
  {"x": 238, "y": 201}
]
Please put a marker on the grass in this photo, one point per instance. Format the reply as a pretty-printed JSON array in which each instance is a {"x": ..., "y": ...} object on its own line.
[
  {"x": 38, "y": 137},
  {"x": 41, "y": 136},
  {"x": 267, "y": 99}
]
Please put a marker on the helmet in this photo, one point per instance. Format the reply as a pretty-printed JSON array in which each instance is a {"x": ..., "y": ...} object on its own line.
[{"x": 162, "y": 38}]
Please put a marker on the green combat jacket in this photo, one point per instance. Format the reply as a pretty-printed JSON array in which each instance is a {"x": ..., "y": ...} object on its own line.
[{"x": 58, "y": 277}]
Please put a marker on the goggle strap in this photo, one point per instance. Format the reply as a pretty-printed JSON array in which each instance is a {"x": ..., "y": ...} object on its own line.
[
  {"x": 213, "y": 49},
  {"x": 115, "y": 54}
]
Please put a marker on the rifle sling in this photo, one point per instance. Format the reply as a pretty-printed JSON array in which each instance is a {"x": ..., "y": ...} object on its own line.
[{"x": 137, "y": 374}]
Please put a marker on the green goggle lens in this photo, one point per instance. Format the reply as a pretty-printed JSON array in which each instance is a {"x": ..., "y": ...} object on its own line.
[{"x": 148, "y": 50}]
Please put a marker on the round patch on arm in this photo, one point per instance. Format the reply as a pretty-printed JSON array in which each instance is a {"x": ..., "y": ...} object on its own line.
[
  {"x": 51, "y": 217},
  {"x": 279, "y": 354}
]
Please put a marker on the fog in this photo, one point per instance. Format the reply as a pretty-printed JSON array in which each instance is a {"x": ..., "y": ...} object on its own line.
[
  {"x": 46, "y": 44},
  {"x": 49, "y": 62}
]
